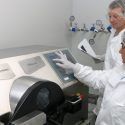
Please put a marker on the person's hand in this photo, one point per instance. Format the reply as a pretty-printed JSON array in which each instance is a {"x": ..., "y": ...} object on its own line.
[
  {"x": 63, "y": 62},
  {"x": 100, "y": 57}
]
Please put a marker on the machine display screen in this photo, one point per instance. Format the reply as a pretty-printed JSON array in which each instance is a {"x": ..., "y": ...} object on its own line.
[{"x": 65, "y": 75}]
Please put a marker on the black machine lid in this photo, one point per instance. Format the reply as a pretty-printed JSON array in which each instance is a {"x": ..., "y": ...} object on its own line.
[{"x": 43, "y": 96}]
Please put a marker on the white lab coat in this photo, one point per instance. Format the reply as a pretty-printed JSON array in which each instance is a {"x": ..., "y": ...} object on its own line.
[
  {"x": 112, "y": 110},
  {"x": 112, "y": 56},
  {"x": 112, "y": 59}
]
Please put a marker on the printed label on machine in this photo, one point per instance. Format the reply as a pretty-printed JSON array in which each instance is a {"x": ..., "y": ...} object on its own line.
[
  {"x": 6, "y": 72},
  {"x": 31, "y": 65}
]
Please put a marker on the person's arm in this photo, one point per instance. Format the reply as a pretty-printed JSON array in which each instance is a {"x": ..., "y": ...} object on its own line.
[
  {"x": 85, "y": 74},
  {"x": 93, "y": 78}
]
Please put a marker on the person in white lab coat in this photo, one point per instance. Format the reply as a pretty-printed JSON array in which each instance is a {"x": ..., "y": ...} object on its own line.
[
  {"x": 112, "y": 111},
  {"x": 116, "y": 16}
]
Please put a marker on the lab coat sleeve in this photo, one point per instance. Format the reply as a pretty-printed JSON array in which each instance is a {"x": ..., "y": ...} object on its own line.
[{"x": 92, "y": 78}]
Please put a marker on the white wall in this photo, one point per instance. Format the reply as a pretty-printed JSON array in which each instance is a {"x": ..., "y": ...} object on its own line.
[
  {"x": 88, "y": 11},
  {"x": 27, "y": 22},
  {"x": 45, "y": 22}
]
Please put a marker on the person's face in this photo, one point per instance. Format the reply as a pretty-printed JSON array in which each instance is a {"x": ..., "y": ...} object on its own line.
[
  {"x": 116, "y": 18},
  {"x": 122, "y": 52}
]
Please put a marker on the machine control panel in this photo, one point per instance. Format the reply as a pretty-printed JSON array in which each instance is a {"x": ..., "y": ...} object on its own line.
[{"x": 66, "y": 76}]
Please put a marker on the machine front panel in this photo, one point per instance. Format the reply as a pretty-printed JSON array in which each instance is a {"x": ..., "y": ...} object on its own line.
[{"x": 39, "y": 65}]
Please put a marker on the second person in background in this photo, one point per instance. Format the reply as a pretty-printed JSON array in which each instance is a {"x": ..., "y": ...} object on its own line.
[{"x": 116, "y": 17}]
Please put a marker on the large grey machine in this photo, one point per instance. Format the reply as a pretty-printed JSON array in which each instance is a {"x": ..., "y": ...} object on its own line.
[{"x": 34, "y": 91}]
